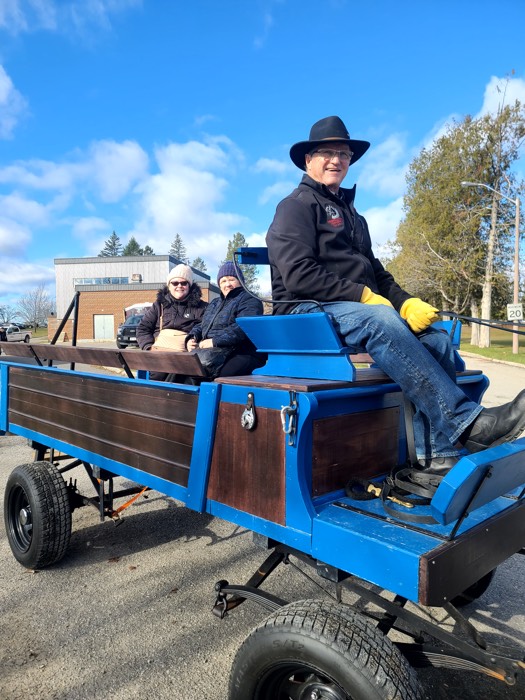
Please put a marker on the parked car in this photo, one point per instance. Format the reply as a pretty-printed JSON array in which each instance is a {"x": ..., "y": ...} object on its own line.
[
  {"x": 16, "y": 334},
  {"x": 127, "y": 331}
]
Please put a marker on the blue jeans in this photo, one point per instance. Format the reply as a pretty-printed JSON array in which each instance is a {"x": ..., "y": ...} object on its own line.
[{"x": 422, "y": 365}]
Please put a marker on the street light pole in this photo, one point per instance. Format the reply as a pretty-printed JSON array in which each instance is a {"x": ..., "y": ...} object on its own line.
[
  {"x": 515, "y": 336},
  {"x": 516, "y": 289}
]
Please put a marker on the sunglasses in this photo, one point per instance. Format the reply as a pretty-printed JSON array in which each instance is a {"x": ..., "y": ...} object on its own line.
[{"x": 180, "y": 284}]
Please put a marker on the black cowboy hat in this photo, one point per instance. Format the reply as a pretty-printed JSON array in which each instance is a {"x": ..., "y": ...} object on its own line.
[{"x": 327, "y": 129}]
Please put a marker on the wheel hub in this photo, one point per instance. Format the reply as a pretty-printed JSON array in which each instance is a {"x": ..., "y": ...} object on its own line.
[
  {"x": 24, "y": 517},
  {"x": 317, "y": 690}
]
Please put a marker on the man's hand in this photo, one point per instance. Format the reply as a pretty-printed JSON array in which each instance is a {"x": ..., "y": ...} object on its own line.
[
  {"x": 418, "y": 314},
  {"x": 208, "y": 343},
  {"x": 368, "y": 297},
  {"x": 191, "y": 344}
]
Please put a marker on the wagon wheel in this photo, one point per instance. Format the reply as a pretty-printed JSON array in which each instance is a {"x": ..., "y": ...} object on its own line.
[
  {"x": 322, "y": 650},
  {"x": 37, "y": 514}
]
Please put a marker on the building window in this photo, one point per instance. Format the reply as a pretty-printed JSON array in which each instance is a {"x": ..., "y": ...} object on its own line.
[{"x": 100, "y": 280}]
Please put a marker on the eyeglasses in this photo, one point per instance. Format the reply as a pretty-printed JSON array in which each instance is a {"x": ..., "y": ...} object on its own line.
[
  {"x": 180, "y": 284},
  {"x": 328, "y": 154}
]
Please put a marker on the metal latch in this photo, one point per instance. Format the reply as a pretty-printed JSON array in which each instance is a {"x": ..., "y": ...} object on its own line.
[
  {"x": 289, "y": 418},
  {"x": 248, "y": 418}
]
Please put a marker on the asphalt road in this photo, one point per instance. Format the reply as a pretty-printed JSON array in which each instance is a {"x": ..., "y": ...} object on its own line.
[{"x": 127, "y": 612}]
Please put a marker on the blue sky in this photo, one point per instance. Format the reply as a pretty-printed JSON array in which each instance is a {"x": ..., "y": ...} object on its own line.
[{"x": 158, "y": 117}]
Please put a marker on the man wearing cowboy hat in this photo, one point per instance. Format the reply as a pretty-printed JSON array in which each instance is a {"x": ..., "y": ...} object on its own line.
[{"x": 320, "y": 248}]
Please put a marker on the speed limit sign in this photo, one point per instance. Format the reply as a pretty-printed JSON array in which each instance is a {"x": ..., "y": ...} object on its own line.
[{"x": 514, "y": 312}]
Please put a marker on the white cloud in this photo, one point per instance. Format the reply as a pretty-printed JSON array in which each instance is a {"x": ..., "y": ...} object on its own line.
[
  {"x": 12, "y": 16},
  {"x": 18, "y": 16},
  {"x": 277, "y": 191},
  {"x": 93, "y": 231},
  {"x": 14, "y": 239},
  {"x": 272, "y": 166},
  {"x": 41, "y": 175},
  {"x": 109, "y": 168},
  {"x": 12, "y": 105},
  {"x": 19, "y": 277},
  {"x": 499, "y": 92},
  {"x": 23, "y": 210},
  {"x": 383, "y": 222},
  {"x": 184, "y": 196},
  {"x": 268, "y": 22},
  {"x": 385, "y": 166},
  {"x": 116, "y": 167},
  {"x": 204, "y": 119}
]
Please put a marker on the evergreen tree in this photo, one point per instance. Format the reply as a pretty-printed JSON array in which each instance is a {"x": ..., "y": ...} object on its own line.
[
  {"x": 148, "y": 250},
  {"x": 132, "y": 247},
  {"x": 249, "y": 271},
  {"x": 199, "y": 264},
  {"x": 112, "y": 247},
  {"x": 178, "y": 249},
  {"x": 454, "y": 245}
]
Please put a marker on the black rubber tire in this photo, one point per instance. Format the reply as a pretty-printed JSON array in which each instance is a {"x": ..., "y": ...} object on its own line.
[
  {"x": 37, "y": 514},
  {"x": 324, "y": 650},
  {"x": 121, "y": 346},
  {"x": 27, "y": 339},
  {"x": 475, "y": 591}
]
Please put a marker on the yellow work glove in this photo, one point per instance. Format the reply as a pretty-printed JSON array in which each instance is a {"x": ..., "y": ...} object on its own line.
[
  {"x": 368, "y": 297},
  {"x": 418, "y": 314}
]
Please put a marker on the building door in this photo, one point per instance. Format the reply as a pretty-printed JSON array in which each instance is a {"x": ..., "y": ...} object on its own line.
[{"x": 104, "y": 326}]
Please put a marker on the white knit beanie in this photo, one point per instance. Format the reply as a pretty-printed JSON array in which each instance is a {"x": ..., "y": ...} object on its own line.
[{"x": 182, "y": 272}]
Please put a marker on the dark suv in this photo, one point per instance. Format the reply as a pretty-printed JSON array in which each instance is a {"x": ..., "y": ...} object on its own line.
[{"x": 127, "y": 332}]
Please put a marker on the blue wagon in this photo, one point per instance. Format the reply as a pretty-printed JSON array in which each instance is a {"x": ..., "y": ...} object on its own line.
[{"x": 274, "y": 452}]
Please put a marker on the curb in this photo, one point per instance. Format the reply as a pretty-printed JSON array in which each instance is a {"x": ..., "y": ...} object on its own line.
[{"x": 490, "y": 359}]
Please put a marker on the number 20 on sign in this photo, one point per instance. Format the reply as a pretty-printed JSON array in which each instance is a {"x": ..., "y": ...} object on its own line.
[{"x": 514, "y": 312}]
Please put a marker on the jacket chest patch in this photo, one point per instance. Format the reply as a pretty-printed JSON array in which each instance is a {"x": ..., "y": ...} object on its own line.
[{"x": 333, "y": 216}]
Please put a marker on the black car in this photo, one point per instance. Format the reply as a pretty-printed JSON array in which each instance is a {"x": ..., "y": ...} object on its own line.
[{"x": 127, "y": 332}]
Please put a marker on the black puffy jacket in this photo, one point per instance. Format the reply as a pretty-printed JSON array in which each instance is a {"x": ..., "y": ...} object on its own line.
[
  {"x": 180, "y": 315},
  {"x": 219, "y": 323},
  {"x": 319, "y": 248}
]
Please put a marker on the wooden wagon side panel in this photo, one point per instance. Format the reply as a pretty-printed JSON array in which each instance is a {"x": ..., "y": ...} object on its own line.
[
  {"x": 146, "y": 427},
  {"x": 248, "y": 466},
  {"x": 353, "y": 445}
]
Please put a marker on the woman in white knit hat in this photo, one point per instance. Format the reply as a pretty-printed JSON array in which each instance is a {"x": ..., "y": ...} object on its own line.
[{"x": 178, "y": 306}]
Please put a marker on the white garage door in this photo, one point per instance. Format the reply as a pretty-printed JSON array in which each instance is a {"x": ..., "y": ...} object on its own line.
[{"x": 104, "y": 326}]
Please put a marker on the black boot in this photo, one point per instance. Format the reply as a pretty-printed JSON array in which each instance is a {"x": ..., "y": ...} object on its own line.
[
  {"x": 440, "y": 466},
  {"x": 496, "y": 425},
  {"x": 425, "y": 476}
]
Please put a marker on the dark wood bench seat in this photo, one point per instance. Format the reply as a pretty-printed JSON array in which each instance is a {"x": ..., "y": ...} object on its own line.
[
  {"x": 364, "y": 376},
  {"x": 43, "y": 354}
]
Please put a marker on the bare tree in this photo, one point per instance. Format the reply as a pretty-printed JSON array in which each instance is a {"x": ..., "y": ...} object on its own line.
[
  {"x": 6, "y": 313},
  {"x": 35, "y": 306}
]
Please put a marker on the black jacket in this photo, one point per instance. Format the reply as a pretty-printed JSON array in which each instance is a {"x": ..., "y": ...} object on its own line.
[
  {"x": 319, "y": 248},
  {"x": 219, "y": 323},
  {"x": 180, "y": 315}
]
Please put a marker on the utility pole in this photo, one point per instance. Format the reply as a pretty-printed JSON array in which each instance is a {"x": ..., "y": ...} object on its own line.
[{"x": 516, "y": 287}]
